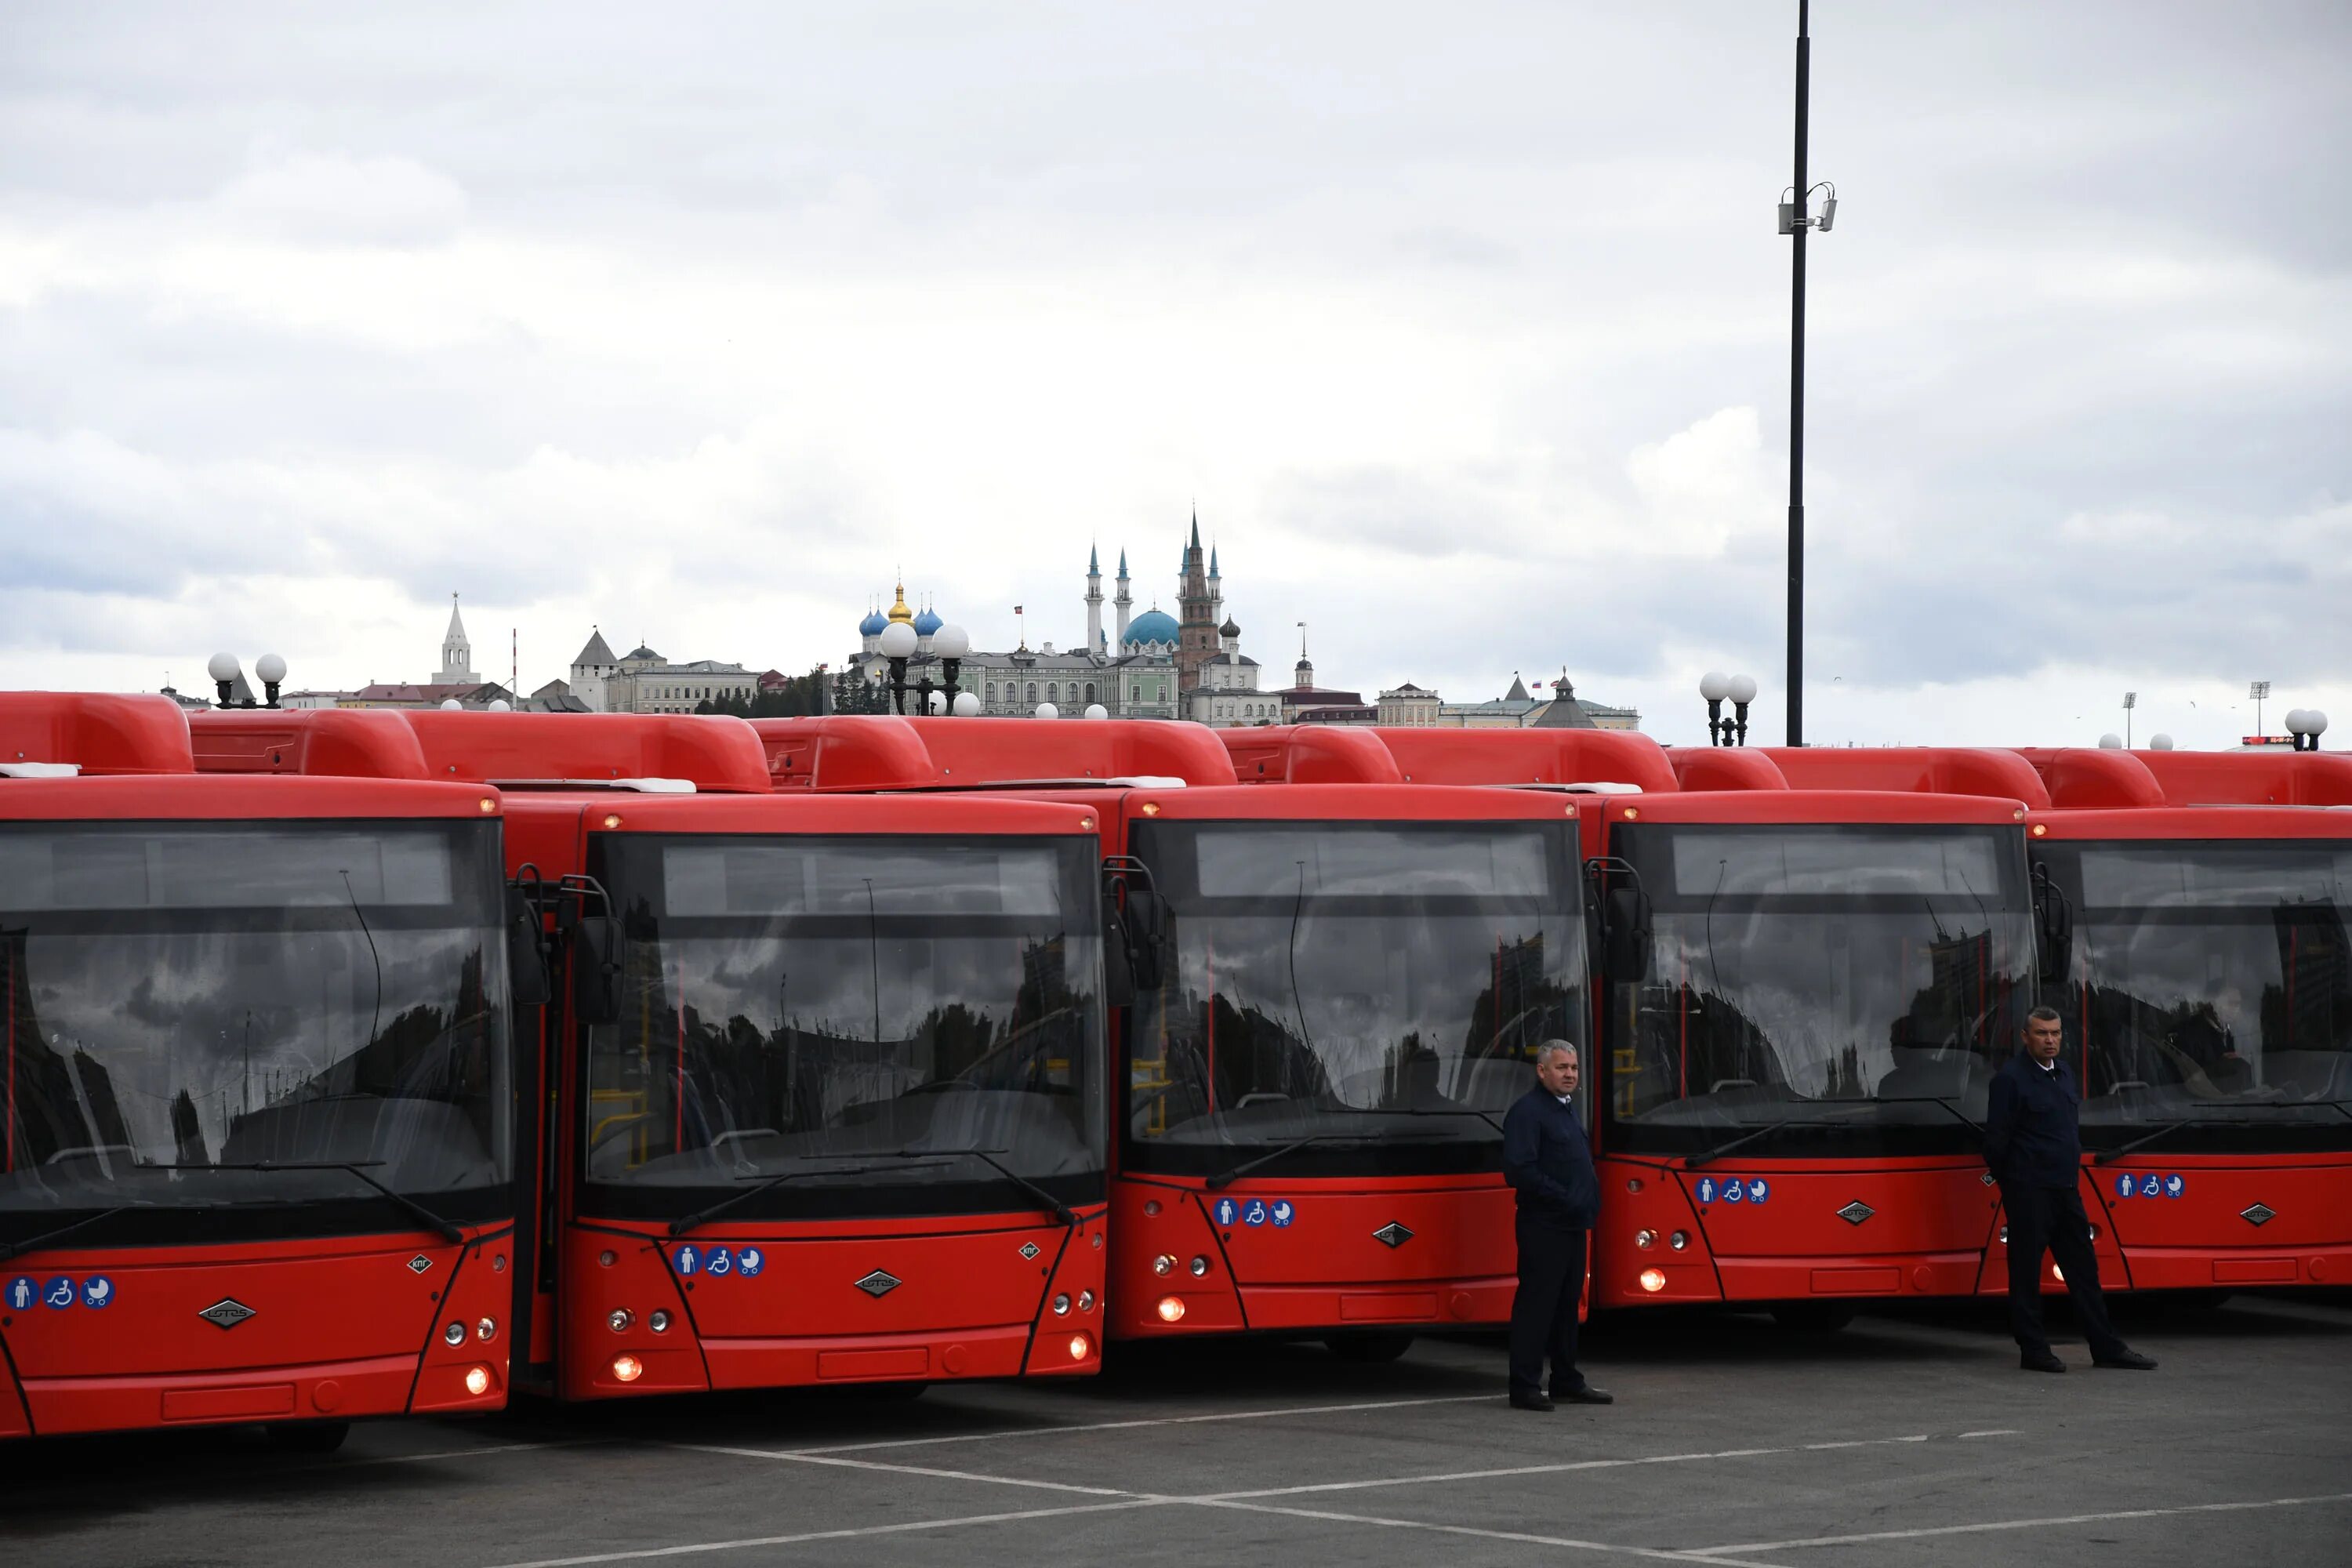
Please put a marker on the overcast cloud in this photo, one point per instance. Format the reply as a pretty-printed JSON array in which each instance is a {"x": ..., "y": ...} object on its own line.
[{"x": 1466, "y": 327}]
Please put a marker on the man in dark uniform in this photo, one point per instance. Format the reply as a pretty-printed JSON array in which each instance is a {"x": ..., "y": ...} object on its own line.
[
  {"x": 2033, "y": 1145},
  {"x": 1547, "y": 1160}
]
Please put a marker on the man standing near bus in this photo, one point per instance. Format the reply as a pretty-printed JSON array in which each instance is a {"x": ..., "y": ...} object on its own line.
[
  {"x": 1547, "y": 1160},
  {"x": 2033, "y": 1146}
]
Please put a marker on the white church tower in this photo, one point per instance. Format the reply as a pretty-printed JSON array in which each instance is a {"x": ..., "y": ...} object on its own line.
[
  {"x": 457, "y": 653},
  {"x": 1094, "y": 603}
]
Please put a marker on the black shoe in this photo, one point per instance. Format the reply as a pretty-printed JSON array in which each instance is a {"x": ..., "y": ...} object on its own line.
[
  {"x": 1530, "y": 1401},
  {"x": 2040, "y": 1361},
  {"x": 2129, "y": 1360},
  {"x": 1587, "y": 1395}
]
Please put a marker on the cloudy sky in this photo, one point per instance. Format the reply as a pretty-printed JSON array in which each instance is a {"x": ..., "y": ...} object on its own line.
[{"x": 1466, "y": 327}]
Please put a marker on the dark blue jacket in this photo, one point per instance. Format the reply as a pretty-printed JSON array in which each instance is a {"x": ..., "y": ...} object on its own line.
[
  {"x": 2034, "y": 1125},
  {"x": 1547, "y": 1159}
]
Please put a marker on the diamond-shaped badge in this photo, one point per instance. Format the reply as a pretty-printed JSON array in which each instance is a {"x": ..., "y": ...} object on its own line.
[
  {"x": 225, "y": 1314},
  {"x": 880, "y": 1284},
  {"x": 1029, "y": 1249},
  {"x": 419, "y": 1264},
  {"x": 1392, "y": 1235},
  {"x": 2258, "y": 1214},
  {"x": 1855, "y": 1212}
]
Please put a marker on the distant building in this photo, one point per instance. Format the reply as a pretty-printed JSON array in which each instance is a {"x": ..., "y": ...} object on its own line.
[
  {"x": 1304, "y": 702},
  {"x": 455, "y": 680},
  {"x": 643, "y": 682},
  {"x": 1518, "y": 709},
  {"x": 1409, "y": 706}
]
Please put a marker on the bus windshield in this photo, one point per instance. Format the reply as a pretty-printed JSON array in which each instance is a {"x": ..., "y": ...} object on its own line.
[
  {"x": 187, "y": 1002},
  {"x": 866, "y": 1017},
  {"x": 1818, "y": 990},
  {"x": 2211, "y": 984},
  {"x": 1377, "y": 987}
]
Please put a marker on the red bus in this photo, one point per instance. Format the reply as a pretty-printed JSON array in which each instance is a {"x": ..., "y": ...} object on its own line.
[
  {"x": 823, "y": 1100},
  {"x": 259, "y": 1088},
  {"x": 1338, "y": 988},
  {"x": 1803, "y": 996},
  {"x": 2206, "y": 979}
]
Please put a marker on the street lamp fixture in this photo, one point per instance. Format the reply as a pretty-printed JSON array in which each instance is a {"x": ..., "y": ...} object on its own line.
[
  {"x": 2131, "y": 700},
  {"x": 1716, "y": 687},
  {"x": 2259, "y": 690},
  {"x": 1795, "y": 223},
  {"x": 224, "y": 670},
  {"x": 949, "y": 645},
  {"x": 2306, "y": 725}
]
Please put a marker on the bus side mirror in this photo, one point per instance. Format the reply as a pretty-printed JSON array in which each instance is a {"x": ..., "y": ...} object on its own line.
[
  {"x": 1118, "y": 961},
  {"x": 526, "y": 953},
  {"x": 2054, "y": 919},
  {"x": 1147, "y": 938},
  {"x": 596, "y": 950},
  {"x": 1625, "y": 936}
]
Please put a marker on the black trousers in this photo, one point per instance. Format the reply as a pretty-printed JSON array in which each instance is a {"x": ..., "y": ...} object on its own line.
[
  {"x": 2050, "y": 1220},
  {"x": 1543, "y": 1313}
]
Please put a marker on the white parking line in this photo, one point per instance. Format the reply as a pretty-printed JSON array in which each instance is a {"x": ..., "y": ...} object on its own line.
[
  {"x": 341, "y": 1463},
  {"x": 1562, "y": 1468},
  {"x": 1995, "y": 1432},
  {"x": 914, "y": 1470},
  {"x": 1003, "y": 1434},
  {"x": 902, "y": 1528},
  {"x": 1720, "y": 1553},
  {"x": 1523, "y": 1537}
]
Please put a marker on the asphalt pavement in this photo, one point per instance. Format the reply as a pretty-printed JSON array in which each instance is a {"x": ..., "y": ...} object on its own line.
[{"x": 1909, "y": 1438}]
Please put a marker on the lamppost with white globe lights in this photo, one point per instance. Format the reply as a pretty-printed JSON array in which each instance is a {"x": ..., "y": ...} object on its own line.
[
  {"x": 949, "y": 645},
  {"x": 1716, "y": 688},
  {"x": 224, "y": 670},
  {"x": 2306, "y": 725}
]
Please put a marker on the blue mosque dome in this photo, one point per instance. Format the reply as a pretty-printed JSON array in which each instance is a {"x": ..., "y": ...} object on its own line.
[
  {"x": 1152, "y": 626},
  {"x": 871, "y": 626},
  {"x": 926, "y": 621}
]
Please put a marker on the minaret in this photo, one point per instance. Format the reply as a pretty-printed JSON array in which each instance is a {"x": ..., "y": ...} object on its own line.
[
  {"x": 1124, "y": 604},
  {"x": 1196, "y": 638},
  {"x": 1216, "y": 588},
  {"x": 1094, "y": 602},
  {"x": 457, "y": 652}
]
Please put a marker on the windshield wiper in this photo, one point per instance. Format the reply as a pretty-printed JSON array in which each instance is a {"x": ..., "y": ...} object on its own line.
[
  {"x": 34, "y": 1244},
  {"x": 1045, "y": 1200},
  {"x": 2109, "y": 1156},
  {"x": 1228, "y": 1177},
  {"x": 685, "y": 1223},
  {"x": 1693, "y": 1161},
  {"x": 434, "y": 1222},
  {"x": 1962, "y": 1117},
  {"x": 1487, "y": 1117}
]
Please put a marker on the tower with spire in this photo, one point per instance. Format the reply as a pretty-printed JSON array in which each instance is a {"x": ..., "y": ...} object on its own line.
[
  {"x": 1094, "y": 601},
  {"x": 457, "y": 652},
  {"x": 1196, "y": 639},
  {"x": 1124, "y": 604}
]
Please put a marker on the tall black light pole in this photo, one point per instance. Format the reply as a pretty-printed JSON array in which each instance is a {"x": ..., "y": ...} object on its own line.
[{"x": 1794, "y": 222}]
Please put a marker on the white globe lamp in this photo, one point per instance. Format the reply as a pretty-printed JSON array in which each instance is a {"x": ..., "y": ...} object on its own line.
[
  {"x": 966, "y": 705},
  {"x": 270, "y": 668},
  {"x": 1096, "y": 710},
  {"x": 2111, "y": 742},
  {"x": 951, "y": 641},
  {"x": 222, "y": 667},
  {"x": 2159, "y": 741},
  {"x": 898, "y": 640},
  {"x": 1047, "y": 710}
]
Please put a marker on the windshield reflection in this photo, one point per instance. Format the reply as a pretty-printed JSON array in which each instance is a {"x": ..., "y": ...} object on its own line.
[
  {"x": 2211, "y": 982},
  {"x": 1857, "y": 990},
  {"x": 1385, "y": 981},
  {"x": 836, "y": 1025},
  {"x": 182, "y": 998}
]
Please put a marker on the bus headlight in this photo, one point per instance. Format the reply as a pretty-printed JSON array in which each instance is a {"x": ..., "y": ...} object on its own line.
[
  {"x": 657, "y": 1321},
  {"x": 1079, "y": 1346},
  {"x": 477, "y": 1380},
  {"x": 1061, "y": 1306},
  {"x": 1199, "y": 1268},
  {"x": 487, "y": 1329},
  {"x": 454, "y": 1334},
  {"x": 1653, "y": 1280},
  {"x": 620, "y": 1320},
  {"x": 1172, "y": 1309},
  {"x": 1679, "y": 1240},
  {"x": 1163, "y": 1264},
  {"x": 628, "y": 1368},
  {"x": 1086, "y": 1300},
  {"x": 1645, "y": 1239}
]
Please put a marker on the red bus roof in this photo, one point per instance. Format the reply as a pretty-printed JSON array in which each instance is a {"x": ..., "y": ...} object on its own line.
[
  {"x": 852, "y": 751},
  {"x": 1938, "y": 770},
  {"x": 832, "y": 814},
  {"x": 1814, "y": 806},
  {"x": 1724, "y": 767},
  {"x": 1530, "y": 756},
  {"x": 2273, "y": 777},
  {"x": 205, "y": 798},
  {"x": 2088, "y": 778},
  {"x": 1310, "y": 753},
  {"x": 98, "y": 733},
  {"x": 2187, "y": 823},
  {"x": 1350, "y": 803},
  {"x": 354, "y": 743}
]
